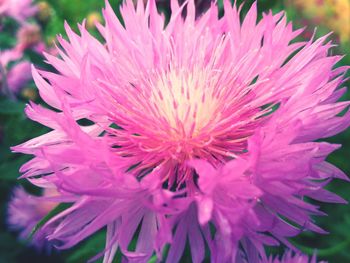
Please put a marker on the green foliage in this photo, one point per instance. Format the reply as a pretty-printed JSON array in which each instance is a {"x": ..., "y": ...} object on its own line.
[
  {"x": 54, "y": 212},
  {"x": 88, "y": 249}
]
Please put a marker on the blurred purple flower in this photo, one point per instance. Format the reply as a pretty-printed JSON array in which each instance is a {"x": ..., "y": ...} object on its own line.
[
  {"x": 19, "y": 10},
  {"x": 9, "y": 55},
  {"x": 29, "y": 37},
  {"x": 25, "y": 211},
  {"x": 19, "y": 76},
  {"x": 15, "y": 77}
]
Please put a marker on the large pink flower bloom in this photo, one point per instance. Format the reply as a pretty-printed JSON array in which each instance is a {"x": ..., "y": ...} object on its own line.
[{"x": 171, "y": 133}]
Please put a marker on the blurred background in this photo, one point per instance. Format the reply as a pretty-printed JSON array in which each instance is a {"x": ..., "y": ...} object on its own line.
[{"x": 28, "y": 28}]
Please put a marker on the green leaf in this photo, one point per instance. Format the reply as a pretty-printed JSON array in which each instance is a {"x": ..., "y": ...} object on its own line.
[
  {"x": 9, "y": 170},
  {"x": 58, "y": 209},
  {"x": 323, "y": 252},
  {"x": 89, "y": 248},
  {"x": 11, "y": 107}
]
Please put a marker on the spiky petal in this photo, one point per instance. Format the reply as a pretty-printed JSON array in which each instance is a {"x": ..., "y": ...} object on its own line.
[{"x": 290, "y": 257}]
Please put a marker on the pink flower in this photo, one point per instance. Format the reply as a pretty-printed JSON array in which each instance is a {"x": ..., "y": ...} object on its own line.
[
  {"x": 205, "y": 124},
  {"x": 14, "y": 78},
  {"x": 10, "y": 55},
  {"x": 29, "y": 36},
  {"x": 25, "y": 211},
  {"x": 19, "y": 10},
  {"x": 19, "y": 76}
]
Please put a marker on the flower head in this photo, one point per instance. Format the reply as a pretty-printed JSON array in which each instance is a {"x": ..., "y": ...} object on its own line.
[
  {"x": 29, "y": 36},
  {"x": 92, "y": 19},
  {"x": 205, "y": 123},
  {"x": 44, "y": 11},
  {"x": 13, "y": 78},
  {"x": 331, "y": 13},
  {"x": 19, "y": 76},
  {"x": 19, "y": 10}
]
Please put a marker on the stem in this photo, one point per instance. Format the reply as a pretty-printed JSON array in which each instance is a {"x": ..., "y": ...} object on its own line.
[{"x": 325, "y": 251}]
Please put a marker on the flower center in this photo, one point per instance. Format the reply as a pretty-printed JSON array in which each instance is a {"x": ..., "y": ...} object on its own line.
[
  {"x": 179, "y": 114},
  {"x": 186, "y": 101}
]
